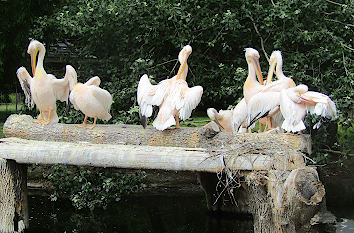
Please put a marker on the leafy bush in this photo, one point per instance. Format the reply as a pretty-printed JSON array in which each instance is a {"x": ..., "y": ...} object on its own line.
[{"x": 93, "y": 187}]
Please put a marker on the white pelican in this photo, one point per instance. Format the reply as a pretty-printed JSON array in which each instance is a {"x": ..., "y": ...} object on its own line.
[
  {"x": 223, "y": 118},
  {"x": 173, "y": 96},
  {"x": 297, "y": 101},
  {"x": 43, "y": 89},
  {"x": 90, "y": 99}
]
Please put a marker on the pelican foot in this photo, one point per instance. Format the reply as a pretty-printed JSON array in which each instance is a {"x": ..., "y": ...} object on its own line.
[
  {"x": 273, "y": 131},
  {"x": 46, "y": 122},
  {"x": 90, "y": 127},
  {"x": 39, "y": 121},
  {"x": 81, "y": 125},
  {"x": 170, "y": 128}
]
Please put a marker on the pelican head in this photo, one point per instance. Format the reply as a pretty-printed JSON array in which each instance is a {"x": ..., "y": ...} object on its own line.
[
  {"x": 252, "y": 57},
  {"x": 184, "y": 53},
  {"x": 275, "y": 57},
  {"x": 33, "y": 48},
  {"x": 214, "y": 116},
  {"x": 301, "y": 89},
  {"x": 182, "y": 57}
]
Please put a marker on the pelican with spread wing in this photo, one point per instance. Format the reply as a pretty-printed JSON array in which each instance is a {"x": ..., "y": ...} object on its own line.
[
  {"x": 43, "y": 89},
  {"x": 90, "y": 99},
  {"x": 297, "y": 101},
  {"x": 173, "y": 96}
]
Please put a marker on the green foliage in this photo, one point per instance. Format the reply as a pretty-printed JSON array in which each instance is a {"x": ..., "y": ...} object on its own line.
[
  {"x": 92, "y": 187},
  {"x": 126, "y": 39},
  {"x": 346, "y": 139},
  {"x": 16, "y": 22},
  {"x": 2, "y": 130}
]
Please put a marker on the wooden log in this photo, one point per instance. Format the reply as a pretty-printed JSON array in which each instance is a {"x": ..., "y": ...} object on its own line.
[
  {"x": 22, "y": 126},
  {"x": 139, "y": 157},
  {"x": 13, "y": 197}
]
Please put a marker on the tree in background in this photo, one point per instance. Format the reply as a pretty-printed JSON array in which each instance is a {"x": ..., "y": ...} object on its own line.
[{"x": 16, "y": 22}]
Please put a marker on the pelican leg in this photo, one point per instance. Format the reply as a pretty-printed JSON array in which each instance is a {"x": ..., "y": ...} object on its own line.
[
  {"x": 40, "y": 119},
  {"x": 49, "y": 117},
  {"x": 269, "y": 124},
  {"x": 177, "y": 122},
  {"x": 83, "y": 123},
  {"x": 93, "y": 125},
  {"x": 260, "y": 130}
]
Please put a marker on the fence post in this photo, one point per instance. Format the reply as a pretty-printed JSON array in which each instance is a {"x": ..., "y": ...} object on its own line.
[{"x": 13, "y": 197}]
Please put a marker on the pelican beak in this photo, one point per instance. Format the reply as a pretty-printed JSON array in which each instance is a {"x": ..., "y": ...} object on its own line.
[
  {"x": 307, "y": 100},
  {"x": 258, "y": 71},
  {"x": 181, "y": 69},
  {"x": 218, "y": 123},
  {"x": 33, "y": 62},
  {"x": 271, "y": 71}
]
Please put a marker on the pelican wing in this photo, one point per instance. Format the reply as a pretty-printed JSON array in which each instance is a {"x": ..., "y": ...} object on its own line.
[
  {"x": 189, "y": 100},
  {"x": 71, "y": 76},
  {"x": 260, "y": 105},
  {"x": 94, "y": 81},
  {"x": 320, "y": 104},
  {"x": 149, "y": 95},
  {"x": 25, "y": 80},
  {"x": 239, "y": 115},
  {"x": 102, "y": 96},
  {"x": 60, "y": 87},
  {"x": 292, "y": 109}
]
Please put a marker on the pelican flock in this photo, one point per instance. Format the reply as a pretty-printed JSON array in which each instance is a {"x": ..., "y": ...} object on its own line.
[
  {"x": 283, "y": 95},
  {"x": 278, "y": 104}
]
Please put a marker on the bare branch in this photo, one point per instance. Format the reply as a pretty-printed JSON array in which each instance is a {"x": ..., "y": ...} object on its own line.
[
  {"x": 262, "y": 41},
  {"x": 336, "y": 21},
  {"x": 336, "y": 3},
  {"x": 344, "y": 64}
]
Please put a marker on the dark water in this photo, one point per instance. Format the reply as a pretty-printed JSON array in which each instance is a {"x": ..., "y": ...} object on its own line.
[
  {"x": 168, "y": 212},
  {"x": 153, "y": 213}
]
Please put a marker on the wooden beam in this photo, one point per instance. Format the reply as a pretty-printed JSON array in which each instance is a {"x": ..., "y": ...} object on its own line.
[
  {"x": 140, "y": 157},
  {"x": 22, "y": 126}
]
